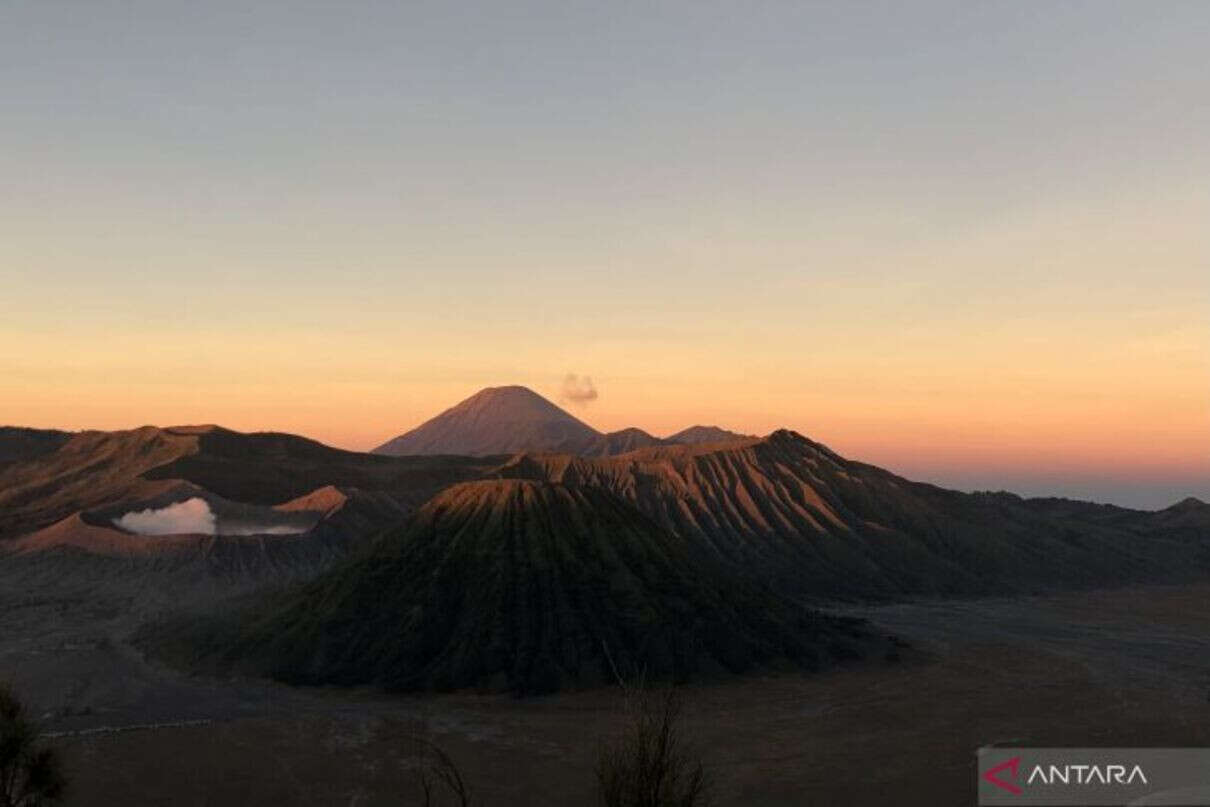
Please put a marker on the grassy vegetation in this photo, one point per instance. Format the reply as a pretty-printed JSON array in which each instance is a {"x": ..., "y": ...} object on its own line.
[{"x": 519, "y": 586}]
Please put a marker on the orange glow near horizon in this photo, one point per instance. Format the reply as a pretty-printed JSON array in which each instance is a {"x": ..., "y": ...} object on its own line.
[
  {"x": 1073, "y": 391},
  {"x": 882, "y": 228},
  {"x": 1136, "y": 409}
]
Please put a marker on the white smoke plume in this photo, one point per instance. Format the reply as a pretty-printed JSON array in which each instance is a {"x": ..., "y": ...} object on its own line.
[
  {"x": 195, "y": 517},
  {"x": 579, "y": 389},
  {"x": 190, "y": 517}
]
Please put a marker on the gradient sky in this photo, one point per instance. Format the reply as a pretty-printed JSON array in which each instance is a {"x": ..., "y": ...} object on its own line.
[{"x": 969, "y": 242}]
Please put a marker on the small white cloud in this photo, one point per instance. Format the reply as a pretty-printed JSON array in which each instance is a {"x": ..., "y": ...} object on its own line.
[
  {"x": 579, "y": 389},
  {"x": 190, "y": 517}
]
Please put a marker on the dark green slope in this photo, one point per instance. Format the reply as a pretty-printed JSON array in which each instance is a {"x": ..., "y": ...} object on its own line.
[{"x": 517, "y": 585}]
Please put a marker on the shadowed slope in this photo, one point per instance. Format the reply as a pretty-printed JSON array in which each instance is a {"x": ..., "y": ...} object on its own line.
[
  {"x": 269, "y": 467},
  {"x": 1189, "y": 518},
  {"x": 517, "y": 585},
  {"x": 88, "y": 470},
  {"x": 18, "y": 444}
]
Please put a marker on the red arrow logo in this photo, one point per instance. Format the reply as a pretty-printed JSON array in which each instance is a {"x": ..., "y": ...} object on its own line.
[{"x": 1011, "y": 765}]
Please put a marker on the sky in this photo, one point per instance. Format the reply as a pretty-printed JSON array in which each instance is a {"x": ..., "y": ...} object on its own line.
[{"x": 965, "y": 241}]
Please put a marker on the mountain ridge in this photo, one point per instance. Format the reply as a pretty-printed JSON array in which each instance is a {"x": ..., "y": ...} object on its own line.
[
  {"x": 705, "y": 434},
  {"x": 95, "y": 469},
  {"x": 815, "y": 523},
  {"x": 825, "y": 526}
]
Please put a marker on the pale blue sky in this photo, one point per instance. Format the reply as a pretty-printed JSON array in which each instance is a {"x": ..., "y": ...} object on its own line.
[{"x": 765, "y": 214}]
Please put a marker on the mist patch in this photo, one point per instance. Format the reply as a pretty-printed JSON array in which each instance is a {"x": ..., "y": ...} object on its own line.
[{"x": 190, "y": 517}]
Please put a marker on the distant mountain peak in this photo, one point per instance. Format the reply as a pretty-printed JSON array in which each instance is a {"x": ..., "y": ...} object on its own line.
[
  {"x": 506, "y": 392},
  {"x": 622, "y": 441},
  {"x": 496, "y": 420},
  {"x": 200, "y": 428},
  {"x": 705, "y": 434}
]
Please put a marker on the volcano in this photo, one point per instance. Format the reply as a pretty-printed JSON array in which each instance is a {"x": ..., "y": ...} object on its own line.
[
  {"x": 820, "y": 525},
  {"x": 523, "y": 586},
  {"x": 497, "y": 420}
]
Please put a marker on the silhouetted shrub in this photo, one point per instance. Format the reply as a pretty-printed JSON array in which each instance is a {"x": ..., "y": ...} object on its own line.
[
  {"x": 31, "y": 774},
  {"x": 439, "y": 767},
  {"x": 649, "y": 764}
]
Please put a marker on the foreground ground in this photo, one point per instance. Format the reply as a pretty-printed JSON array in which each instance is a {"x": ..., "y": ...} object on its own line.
[{"x": 1125, "y": 667}]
